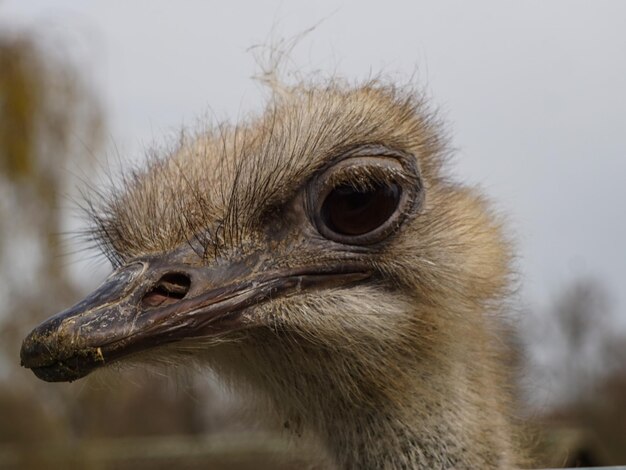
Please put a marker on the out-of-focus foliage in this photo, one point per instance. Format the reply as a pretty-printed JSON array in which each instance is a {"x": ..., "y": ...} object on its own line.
[
  {"x": 46, "y": 116},
  {"x": 21, "y": 95},
  {"x": 49, "y": 124}
]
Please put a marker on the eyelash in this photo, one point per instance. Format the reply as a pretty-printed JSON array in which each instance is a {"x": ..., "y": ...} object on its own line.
[{"x": 361, "y": 178}]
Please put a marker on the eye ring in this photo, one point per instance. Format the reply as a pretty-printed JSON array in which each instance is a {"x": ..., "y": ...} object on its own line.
[{"x": 366, "y": 196}]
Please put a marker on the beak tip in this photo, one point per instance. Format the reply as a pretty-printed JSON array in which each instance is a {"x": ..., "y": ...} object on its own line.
[
  {"x": 41, "y": 352},
  {"x": 29, "y": 351}
]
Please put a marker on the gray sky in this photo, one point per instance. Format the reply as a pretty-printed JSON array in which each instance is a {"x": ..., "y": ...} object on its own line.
[{"x": 534, "y": 92}]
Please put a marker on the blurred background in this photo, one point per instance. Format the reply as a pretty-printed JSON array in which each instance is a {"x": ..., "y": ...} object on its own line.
[{"x": 534, "y": 94}]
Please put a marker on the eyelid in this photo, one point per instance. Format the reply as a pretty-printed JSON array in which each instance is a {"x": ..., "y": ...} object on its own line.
[
  {"x": 359, "y": 170},
  {"x": 362, "y": 175}
]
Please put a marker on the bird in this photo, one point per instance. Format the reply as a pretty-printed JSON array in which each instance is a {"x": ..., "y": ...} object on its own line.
[{"x": 320, "y": 254}]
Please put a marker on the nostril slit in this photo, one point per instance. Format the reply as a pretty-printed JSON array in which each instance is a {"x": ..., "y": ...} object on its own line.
[
  {"x": 177, "y": 284},
  {"x": 171, "y": 288}
]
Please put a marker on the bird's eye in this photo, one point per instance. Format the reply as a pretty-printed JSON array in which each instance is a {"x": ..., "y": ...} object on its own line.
[
  {"x": 353, "y": 211},
  {"x": 365, "y": 196}
]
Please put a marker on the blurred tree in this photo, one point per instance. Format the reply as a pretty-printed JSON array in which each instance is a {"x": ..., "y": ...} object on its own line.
[
  {"x": 577, "y": 374},
  {"x": 581, "y": 313},
  {"x": 566, "y": 348},
  {"x": 47, "y": 121}
]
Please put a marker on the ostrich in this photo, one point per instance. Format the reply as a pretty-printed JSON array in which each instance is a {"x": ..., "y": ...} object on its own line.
[{"x": 319, "y": 254}]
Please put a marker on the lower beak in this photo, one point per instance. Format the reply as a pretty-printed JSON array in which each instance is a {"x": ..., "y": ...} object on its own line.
[{"x": 139, "y": 307}]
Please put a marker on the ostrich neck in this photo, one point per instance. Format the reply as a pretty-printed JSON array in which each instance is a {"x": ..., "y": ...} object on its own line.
[
  {"x": 375, "y": 439},
  {"x": 444, "y": 423},
  {"x": 382, "y": 438},
  {"x": 426, "y": 409},
  {"x": 430, "y": 435}
]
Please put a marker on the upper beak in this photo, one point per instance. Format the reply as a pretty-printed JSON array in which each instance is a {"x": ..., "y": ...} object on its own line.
[{"x": 150, "y": 303}]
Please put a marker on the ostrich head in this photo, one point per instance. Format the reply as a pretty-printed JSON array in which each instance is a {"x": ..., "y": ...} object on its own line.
[{"x": 319, "y": 254}]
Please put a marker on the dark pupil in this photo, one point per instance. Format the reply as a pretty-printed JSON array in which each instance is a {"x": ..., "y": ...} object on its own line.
[{"x": 350, "y": 211}]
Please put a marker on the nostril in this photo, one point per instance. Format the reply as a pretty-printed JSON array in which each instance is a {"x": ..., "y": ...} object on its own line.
[{"x": 171, "y": 288}]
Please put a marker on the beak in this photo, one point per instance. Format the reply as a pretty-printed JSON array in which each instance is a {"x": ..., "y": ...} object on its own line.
[{"x": 151, "y": 303}]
